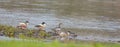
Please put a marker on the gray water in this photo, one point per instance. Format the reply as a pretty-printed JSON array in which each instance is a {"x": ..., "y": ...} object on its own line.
[{"x": 76, "y": 14}]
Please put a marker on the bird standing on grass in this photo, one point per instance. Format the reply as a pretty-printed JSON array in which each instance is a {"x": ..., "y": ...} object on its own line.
[{"x": 42, "y": 32}]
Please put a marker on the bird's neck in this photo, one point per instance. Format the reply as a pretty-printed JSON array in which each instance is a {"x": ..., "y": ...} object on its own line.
[{"x": 59, "y": 26}]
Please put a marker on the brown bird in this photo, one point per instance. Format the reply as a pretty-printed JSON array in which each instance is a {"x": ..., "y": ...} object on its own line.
[
  {"x": 67, "y": 34},
  {"x": 58, "y": 28}
]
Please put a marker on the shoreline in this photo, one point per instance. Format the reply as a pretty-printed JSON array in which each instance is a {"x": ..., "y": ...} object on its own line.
[{"x": 89, "y": 34}]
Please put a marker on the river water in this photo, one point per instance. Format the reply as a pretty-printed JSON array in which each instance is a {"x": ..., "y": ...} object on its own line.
[{"x": 96, "y": 17}]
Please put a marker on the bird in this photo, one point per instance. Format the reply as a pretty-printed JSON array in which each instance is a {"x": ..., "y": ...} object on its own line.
[
  {"x": 58, "y": 28},
  {"x": 67, "y": 35},
  {"x": 41, "y": 26},
  {"x": 23, "y": 25},
  {"x": 72, "y": 35},
  {"x": 63, "y": 34}
]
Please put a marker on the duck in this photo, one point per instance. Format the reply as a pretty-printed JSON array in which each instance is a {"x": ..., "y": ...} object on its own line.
[
  {"x": 72, "y": 35},
  {"x": 41, "y": 26},
  {"x": 67, "y": 34},
  {"x": 23, "y": 25},
  {"x": 63, "y": 34},
  {"x": 58, "y": 28}
]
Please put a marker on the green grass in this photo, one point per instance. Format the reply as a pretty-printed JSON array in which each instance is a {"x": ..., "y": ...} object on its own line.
[
  {"x": 23, "y": 43},
  {"x": 10, "y": 31}
]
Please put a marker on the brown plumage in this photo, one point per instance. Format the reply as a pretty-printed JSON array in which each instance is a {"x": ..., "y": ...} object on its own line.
[
  {"x": 58, "y": 28},
  {"x": 67, "y": 34}
]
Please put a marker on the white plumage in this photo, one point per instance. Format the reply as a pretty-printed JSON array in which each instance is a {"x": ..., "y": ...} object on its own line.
[
  {"x": 41, "y": 26},
  {"x": 23, "y": 25}
]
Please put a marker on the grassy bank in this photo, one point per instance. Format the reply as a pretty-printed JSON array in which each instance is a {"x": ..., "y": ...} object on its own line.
[
  {"x": 10, "y": 31},
  {"x": 54, "y": 44}
]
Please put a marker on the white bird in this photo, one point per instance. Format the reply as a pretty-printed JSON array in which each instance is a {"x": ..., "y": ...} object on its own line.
[
  {"x": 41, "y": 26},
  {"x": 23, "y": 25}
]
